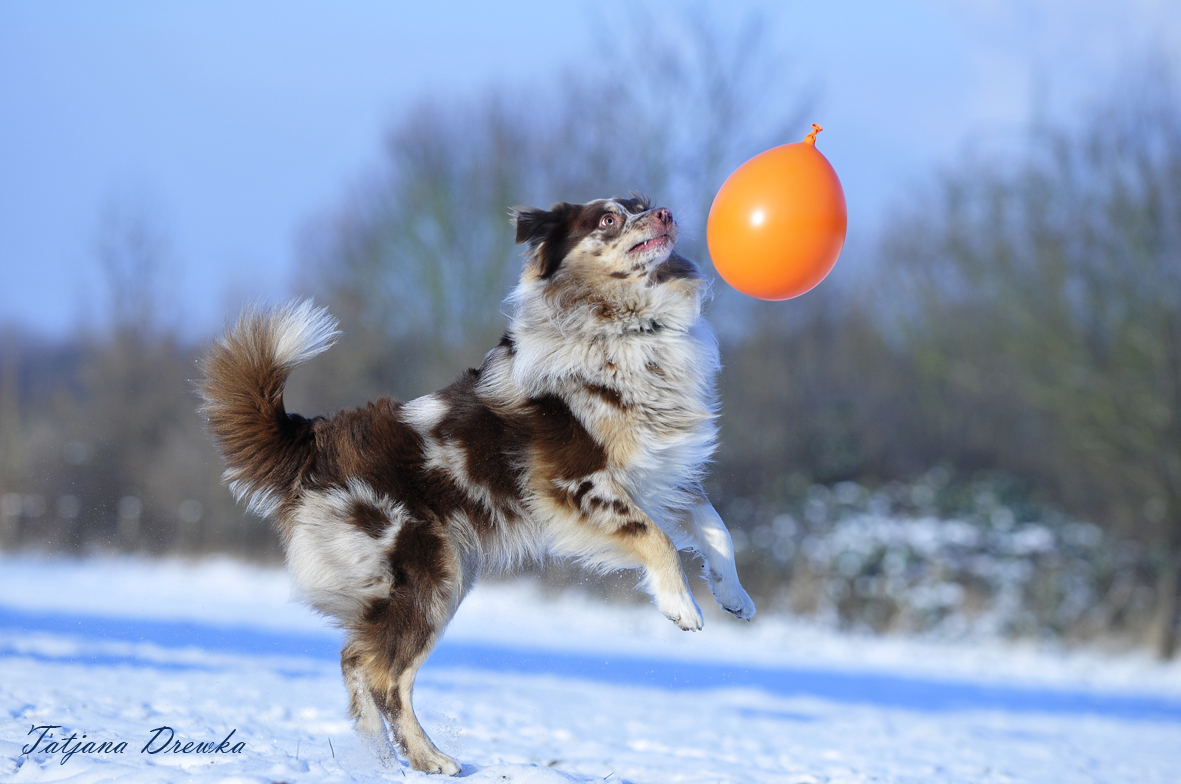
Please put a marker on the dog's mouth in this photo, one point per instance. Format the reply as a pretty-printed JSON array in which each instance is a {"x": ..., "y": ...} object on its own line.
[{"x": 660, "y": 241}]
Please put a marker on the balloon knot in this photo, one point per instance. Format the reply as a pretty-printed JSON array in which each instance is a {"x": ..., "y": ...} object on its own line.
[{"x": 810, "y": 139}]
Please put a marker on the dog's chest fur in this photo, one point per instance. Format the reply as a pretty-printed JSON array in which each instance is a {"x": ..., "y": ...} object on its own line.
[{"x": 643, "y": 387}]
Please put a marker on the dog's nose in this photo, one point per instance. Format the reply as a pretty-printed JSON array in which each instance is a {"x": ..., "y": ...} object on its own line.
[{"x": 664, "y": 216}]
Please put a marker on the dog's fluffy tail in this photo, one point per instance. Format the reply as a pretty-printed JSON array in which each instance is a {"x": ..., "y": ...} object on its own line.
[{"x": 264, "y": 447}]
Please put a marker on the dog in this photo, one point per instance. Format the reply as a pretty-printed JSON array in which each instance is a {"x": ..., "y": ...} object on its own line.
[{"x": 585, "y": 433}]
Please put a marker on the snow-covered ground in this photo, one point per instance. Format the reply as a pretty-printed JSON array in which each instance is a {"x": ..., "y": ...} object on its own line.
[{"x": 529, "y": 688}]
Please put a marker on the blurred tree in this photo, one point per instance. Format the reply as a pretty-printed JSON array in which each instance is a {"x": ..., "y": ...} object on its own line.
[
  {"x": 111, "y": 450},
  {"x": 422, "y": 256},
  {"x": 132, "y": 252},
  {"x": 10, "y": 414},
  {"x": 12, "y": 440},
  {"x": 814, "y": 390},
  {"x": 1047, "y": 296}
]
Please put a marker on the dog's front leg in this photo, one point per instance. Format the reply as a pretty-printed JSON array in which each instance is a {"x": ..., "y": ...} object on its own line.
[
  {"x": 627, "y": 537},
  {"x": 712, "y": 540},
  {"x": 664, "y": 578}
]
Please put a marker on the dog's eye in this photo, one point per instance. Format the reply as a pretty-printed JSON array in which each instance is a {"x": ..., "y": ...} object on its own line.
[{"x": 607, "y": 221}]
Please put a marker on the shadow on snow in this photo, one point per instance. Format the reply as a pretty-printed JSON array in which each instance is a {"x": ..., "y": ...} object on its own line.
[{"x": 892, "y": 691}]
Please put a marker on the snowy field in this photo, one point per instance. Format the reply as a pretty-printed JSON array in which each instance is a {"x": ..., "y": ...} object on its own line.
[{"x": 530, "y": 689}]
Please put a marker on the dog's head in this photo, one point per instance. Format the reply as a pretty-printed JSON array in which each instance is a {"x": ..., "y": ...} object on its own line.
[
  {"x": 605, "y": 244},
  {"x": 600, "y": 280}
]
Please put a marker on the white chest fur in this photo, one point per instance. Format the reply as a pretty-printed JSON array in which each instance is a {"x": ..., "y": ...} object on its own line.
[{"x": 645, "y": 392}]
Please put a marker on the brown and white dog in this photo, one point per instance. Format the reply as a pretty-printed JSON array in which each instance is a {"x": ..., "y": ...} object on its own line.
[{"x": 584, "y": 433}]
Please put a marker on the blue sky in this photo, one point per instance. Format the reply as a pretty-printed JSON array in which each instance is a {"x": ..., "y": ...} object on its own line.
[{"x": 237, "y": 123}]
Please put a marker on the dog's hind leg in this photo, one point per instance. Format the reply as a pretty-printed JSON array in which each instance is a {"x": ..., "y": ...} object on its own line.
[
  {"x": 362, "y": 706},
  {"x": 398, "y": 633},
  {"x": 382, "y": 688},
  {"x": 395, "y": 703}
]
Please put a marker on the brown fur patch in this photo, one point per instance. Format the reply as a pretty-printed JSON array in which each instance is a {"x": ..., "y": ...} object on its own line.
[
  {"x": 632, "y": 528},
  {"x": 621, "y": 508},
  {"x": 566, "y": 449},
  {"x": 607, "y": 394},
  {"x": 582, "y": 490},
  {"x": 374, "y": 445},
  {"x": 402, "y": 625},
  {"x": 369, "y": 518},
  {"x": 491, "y": 444}
]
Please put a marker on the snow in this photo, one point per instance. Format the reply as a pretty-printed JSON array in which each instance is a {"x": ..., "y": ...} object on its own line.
[{"x": 530, "y": 688}]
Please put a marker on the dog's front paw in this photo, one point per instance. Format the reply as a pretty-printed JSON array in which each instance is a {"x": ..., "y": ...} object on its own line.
[
  {"x": 733, "y": 598},
  {"x": 682, "y": 610}
]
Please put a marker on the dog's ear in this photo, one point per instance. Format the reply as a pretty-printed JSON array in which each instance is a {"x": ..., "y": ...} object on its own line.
[
  {"x": 533, "y": 224},
  {"x": 546, "y": 233}
]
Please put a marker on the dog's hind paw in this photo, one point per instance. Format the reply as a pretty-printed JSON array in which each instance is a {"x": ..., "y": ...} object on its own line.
[
  {"x": 734, "y": 599},
  {"x": 436, "y": 763}
]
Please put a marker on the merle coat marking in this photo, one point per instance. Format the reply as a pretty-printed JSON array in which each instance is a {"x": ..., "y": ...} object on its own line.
[{"x": 584, "y": 433}]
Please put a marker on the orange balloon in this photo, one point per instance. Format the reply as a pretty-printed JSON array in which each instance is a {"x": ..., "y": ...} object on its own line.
[{"x": 778, "y": 223}]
